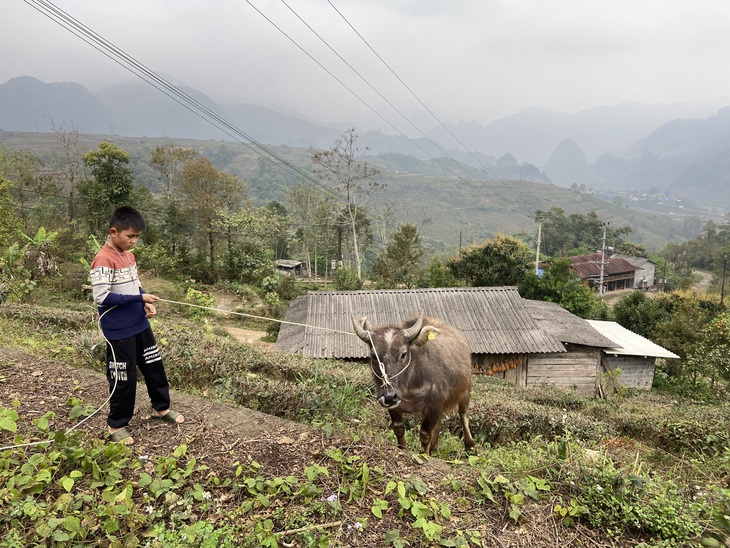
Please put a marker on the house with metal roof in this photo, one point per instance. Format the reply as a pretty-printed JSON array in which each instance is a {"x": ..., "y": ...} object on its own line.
[
  {"x": 618, "y": 273},
  {"x": 494, "y": 320},
  {"x": 523, "y": 341}
]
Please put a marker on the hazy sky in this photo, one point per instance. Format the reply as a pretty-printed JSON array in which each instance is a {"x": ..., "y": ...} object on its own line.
[{"x": 465, "y": 59}]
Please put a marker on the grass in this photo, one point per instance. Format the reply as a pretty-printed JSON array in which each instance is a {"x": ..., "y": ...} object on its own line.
[{"x": 641, "y": 468}]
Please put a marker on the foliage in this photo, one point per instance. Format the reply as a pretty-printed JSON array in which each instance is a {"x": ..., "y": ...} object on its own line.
[
  {"x": 437, "y": 274},
  {"x": 200, "y": 301},
  {"x": 400, "y": 262},
  {"x": 10, "y": 225},
  {"x": 639, "y": 313},
  {"x": 502, "y": 261},
  {"x": 558, "y": 284},
  {"x": 575, "y": 234},
  {"x": 110, "y": 187},
  {"x": 207, "y": 195},
  {"x": 346, "y": 279},
  {"x": 545, "y": 443}
]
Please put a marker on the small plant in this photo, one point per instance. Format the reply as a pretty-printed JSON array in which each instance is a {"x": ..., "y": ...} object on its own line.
[{"x": 200, "y": 301}]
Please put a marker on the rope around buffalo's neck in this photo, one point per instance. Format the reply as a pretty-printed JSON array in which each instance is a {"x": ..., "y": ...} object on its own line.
[{"x": 385, "y": 378}]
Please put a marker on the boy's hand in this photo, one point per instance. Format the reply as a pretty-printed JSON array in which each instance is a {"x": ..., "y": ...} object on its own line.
[
  {"x": 149, "y": 298},
  {"x": 150, "y": 310}
]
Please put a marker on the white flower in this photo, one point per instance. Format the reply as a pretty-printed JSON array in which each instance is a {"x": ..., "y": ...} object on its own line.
[
  {"x": 150, "y": 509},
  {"x": 206, "y": 495}
]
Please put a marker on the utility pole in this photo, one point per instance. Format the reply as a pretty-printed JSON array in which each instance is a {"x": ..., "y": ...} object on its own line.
[
  {"x": 537, "y": 254},
  {"x": 603, "y": 260}
]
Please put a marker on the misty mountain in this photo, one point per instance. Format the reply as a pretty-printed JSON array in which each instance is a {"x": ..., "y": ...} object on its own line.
[
  {"x": 687, "y": 159},
  {"x": 137, "y": 109},
  {"x": 27, "y": 104},
  {"x": 533, "y": 134},
  {"x": 681, "y": 149}
]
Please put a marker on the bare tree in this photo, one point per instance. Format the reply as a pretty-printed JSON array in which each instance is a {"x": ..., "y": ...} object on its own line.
[
  {"x": 342, "y": 169},
  {"x": 67, "y": 135}
]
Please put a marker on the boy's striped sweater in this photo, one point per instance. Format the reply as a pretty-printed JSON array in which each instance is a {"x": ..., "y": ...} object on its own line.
[{"x": 115, "y": 283}]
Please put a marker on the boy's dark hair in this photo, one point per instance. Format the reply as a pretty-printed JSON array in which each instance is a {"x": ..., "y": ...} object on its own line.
[{"x": 126, "y": 217}]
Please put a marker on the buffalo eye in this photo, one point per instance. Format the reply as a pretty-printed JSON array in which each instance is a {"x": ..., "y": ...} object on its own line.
[{"x": 403, "y": 356}]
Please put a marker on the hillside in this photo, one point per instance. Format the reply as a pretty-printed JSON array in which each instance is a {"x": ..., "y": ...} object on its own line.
[
  {"x": 450, "y": 205},
  {"x": 279, "y": 448}
]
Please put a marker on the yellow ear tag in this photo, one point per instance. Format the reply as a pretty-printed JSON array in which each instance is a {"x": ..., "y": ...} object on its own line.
[{"x": 431, "y": 335}]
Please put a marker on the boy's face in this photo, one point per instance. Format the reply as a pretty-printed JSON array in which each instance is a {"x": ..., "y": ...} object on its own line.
[{"x": 124, "y": 239}]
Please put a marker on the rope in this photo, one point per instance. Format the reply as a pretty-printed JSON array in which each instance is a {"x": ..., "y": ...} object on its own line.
[
  {"x": 111, "y": 393},
  {"x": 114, "y": 358},
  {"x": 258, "y": 317},
  {"x": 381, "y": 365}
]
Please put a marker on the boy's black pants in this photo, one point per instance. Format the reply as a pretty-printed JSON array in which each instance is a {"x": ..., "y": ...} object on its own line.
[{"x": 130, "y": 353}]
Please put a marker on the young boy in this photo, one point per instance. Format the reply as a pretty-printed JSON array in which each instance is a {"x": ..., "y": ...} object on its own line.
[{"x": 124, "y": 309}]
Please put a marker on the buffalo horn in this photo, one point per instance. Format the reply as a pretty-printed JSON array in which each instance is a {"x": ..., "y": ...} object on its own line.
[
  {"x": 358, "y": 325},
  {"x": 415, "y": 329}
]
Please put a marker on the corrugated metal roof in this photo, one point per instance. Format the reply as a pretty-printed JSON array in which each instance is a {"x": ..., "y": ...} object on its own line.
[
  {"x": 628, "y": 343},
  {"x": 590, "y": 265},
  {"x": 565, "y": 326},
  {"x": 494, "y": 320}
]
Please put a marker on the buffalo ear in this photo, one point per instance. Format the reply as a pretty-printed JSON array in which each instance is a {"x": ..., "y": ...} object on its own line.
[{"x": 428, "y": 333}]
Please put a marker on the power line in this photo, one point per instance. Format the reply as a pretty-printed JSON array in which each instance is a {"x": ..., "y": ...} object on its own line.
[
  {"x": 466, "y": 149},
  {"x": 350, "y": 90},
  {"x": 138, "y": 69}
]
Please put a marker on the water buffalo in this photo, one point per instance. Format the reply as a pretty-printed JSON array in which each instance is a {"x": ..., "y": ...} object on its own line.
[{"x": 420, "y": 366}]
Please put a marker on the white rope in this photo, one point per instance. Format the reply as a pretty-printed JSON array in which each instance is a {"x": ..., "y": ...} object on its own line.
[
  {"x": 381, "y": 365},
  {"x": 114, "y": 358},
  {"x": 258, "y": 317},
  {"x": 75, "y": 426}
]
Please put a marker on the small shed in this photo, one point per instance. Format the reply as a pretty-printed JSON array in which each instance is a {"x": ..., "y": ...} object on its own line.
[
  {"x": 576, "y": 368},
  {"x": 288, "y": 267},
  {"x": 633, "y": 354}
]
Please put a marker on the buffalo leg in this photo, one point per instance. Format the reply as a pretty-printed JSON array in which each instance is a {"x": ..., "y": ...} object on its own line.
[
  {"x": 464, "y": 417},
  {"x": 399, "y": 429},
  {"x": 430, "y": 430}
]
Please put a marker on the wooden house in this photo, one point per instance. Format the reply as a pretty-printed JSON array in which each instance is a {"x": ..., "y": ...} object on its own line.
[{"x": 618, "y": 273}]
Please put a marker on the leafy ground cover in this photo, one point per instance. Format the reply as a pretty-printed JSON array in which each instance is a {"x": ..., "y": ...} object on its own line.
[{"x": 283, "y": 451}]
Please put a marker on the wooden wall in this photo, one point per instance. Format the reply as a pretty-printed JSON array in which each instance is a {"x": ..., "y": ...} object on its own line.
[{"x": 574, "y": 369}]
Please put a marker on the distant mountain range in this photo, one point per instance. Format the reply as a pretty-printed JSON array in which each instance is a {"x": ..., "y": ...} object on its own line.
[{"x": 682, "y": 149}]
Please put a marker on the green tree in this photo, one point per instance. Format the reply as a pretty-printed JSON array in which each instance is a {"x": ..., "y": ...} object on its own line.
[
  {"x": 559, "y": 285},
  {"x": 437, "y": 274},
  {"x": 400, "y": 263},
  {"x": 111, "y": 185},
  {"x": 503, "y": 261},
  {"x": 632, "y": 250},
  {"x": 709, "y": 359},
  {"x": 639, "y": 313},
  {"x": 344, "y": 171},
  {"x": 207, "y": 194},
  {"x": 345, "y": 278},
  {"x": 32, "y": 188},
  {"x": 563, "y": 236}
]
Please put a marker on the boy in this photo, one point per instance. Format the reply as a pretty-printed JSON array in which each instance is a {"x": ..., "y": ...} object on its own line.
[{"x": 124, "y": 309}]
